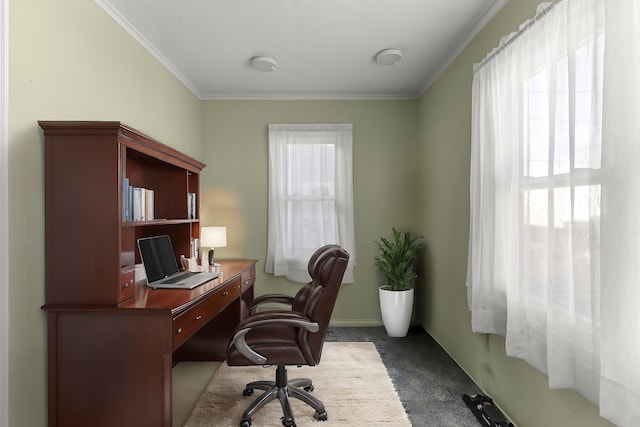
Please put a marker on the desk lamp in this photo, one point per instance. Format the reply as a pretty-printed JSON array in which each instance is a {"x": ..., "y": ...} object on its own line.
[{"x": 213, "y": 237}]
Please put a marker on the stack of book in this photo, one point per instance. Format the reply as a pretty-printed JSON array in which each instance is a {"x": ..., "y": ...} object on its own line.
[{"x": 137, "y": 203}]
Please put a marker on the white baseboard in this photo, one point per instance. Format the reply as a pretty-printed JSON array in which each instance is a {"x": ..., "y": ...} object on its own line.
[{"x": 355, "y": 323}]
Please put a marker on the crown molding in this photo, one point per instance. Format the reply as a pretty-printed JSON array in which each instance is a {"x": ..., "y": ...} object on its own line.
[
  {"x": 482, "y": 22},
  {"x": 129, "y": 28},
  {"x": 306, "y": 97}
]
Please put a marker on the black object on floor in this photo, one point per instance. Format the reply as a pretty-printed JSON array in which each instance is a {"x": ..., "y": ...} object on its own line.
[{"x": 486, "y": 411}]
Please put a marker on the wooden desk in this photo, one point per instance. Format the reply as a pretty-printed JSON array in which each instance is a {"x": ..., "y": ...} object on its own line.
[{"x": 111, "y": 366}]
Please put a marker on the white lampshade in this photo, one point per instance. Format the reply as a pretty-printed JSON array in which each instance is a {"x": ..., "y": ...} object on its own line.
[{"x": 213, "y": 237}]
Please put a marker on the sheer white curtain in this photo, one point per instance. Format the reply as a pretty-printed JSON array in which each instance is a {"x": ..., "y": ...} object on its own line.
[
  {"x": 620, "y": 316},
  {"x": 310, "y": 196},
  {"x": 554, "y": 244}
]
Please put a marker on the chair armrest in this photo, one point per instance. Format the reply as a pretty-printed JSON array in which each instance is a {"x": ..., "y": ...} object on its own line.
[
  {"x": 271, "y": 319},
  {"x": 269, "y": 298}
]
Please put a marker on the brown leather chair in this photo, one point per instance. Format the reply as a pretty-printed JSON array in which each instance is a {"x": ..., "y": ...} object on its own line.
[{"x": 290, "y": 337}]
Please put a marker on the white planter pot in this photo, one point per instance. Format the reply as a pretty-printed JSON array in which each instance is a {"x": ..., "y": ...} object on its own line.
[{"x": 396, "y": 307}]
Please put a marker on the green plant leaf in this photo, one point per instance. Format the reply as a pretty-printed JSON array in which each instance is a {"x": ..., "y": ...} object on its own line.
[{"x": 396, "y": 259}]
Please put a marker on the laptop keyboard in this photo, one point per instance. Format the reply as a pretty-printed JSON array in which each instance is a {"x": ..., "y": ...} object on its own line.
[{"x": 180, "y": 277}]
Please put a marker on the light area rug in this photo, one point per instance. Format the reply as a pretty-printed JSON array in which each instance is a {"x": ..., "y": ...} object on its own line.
[{"x": 351, "y": 381}]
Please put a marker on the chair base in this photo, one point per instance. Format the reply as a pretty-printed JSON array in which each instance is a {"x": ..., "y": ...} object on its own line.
[{"x": 282, "y": 389}]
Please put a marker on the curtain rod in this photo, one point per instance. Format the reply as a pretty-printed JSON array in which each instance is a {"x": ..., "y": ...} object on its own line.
[{"x": 516, "y": 34}]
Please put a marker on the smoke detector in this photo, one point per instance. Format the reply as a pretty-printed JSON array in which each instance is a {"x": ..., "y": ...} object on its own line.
[
  {"x": 389, "y": 56},
  {"x": 264, "y": 63}
]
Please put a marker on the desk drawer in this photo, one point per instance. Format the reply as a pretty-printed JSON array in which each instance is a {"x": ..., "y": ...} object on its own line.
[
  {"x": 248, "y": 278},
  {"x": 127, "y": 280},
  {"x": 195, "y": 317}
]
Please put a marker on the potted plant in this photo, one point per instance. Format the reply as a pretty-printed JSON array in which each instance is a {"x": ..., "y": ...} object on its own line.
[{"x": 396, "y": 262}]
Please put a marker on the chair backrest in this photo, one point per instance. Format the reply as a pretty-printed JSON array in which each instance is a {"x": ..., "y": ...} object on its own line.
[
  {"x": 317, "y": 299},
  {"x": 300, "y": 299}
]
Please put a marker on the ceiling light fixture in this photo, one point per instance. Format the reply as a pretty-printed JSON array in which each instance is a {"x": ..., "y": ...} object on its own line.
[
  {"x": 389, "y": 56},
  {"x": 264, "y": 63}
]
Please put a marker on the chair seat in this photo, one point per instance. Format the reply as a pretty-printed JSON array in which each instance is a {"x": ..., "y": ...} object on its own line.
[{"x": 285, "y": 354}]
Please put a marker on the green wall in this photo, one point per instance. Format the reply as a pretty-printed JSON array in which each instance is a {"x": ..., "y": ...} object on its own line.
[
  {"x": 235, "y": 183},
  {"x": 68, "y": 60},
  {"x": 445, "y": 136}
]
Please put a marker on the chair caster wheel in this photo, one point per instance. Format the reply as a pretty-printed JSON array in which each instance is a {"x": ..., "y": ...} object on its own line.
[
  {"x": 288, "y": 423},
  {"x": 247, "y": 392},
  {"x": 320, "y": 416},
  {"x": 245, "y": 423},
  {"x": 308, "y": 388}
]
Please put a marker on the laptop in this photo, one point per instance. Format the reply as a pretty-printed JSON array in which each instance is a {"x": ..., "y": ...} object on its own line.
[{"x": 161, "y": 267}]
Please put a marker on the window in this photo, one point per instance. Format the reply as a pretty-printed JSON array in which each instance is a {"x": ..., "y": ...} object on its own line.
[
  {"x": 310, "y": 196},
  {"x": 560, "y": 183},
  {"x": 554, "y": 237}
]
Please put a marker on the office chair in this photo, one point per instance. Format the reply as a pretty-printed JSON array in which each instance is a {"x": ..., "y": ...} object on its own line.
[{"x": 290, "y": 337}]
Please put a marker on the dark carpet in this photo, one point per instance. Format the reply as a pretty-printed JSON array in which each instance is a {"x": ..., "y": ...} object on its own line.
[{"x": 429, "y": 383}]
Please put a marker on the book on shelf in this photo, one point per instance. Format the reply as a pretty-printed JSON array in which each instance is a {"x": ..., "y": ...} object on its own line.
[
  {"x": 195, "y": 248},
  {"x": 149, "y": 214},
  {"x": 191, "y": 205},
  {"x": 126, "y": 214},
  {"x": 138, "y": 203}
]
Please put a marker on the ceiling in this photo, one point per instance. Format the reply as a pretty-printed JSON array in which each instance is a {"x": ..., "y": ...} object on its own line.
[{"x": 325, "y": 49}]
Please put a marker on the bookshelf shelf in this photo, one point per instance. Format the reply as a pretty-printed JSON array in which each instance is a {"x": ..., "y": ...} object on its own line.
[{"x": 159, "y": 221}]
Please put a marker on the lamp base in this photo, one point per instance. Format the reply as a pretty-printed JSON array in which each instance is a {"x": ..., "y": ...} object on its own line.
[{"x": 211, "y": 262}]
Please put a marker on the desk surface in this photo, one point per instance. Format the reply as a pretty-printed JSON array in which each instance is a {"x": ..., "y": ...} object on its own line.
[{"x": 177, "y": 300}]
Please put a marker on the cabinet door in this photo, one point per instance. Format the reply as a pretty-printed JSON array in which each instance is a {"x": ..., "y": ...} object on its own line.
[{"x": 109, "y": 369}]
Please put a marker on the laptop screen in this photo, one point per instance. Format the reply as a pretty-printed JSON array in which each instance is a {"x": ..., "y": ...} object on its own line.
[{"x": 158, "y": 257}]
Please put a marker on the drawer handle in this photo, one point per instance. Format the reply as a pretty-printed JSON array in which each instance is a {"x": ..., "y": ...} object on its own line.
[
  {"x": 237, "y": 287},
  {"x": 225, "y": 293},
  {"x": 179, "y": 330},
  {"x": 198, "y": 317}
]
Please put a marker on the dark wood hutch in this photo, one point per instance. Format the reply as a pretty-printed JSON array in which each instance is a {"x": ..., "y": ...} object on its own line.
[{"x": 112, "y": 340}]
